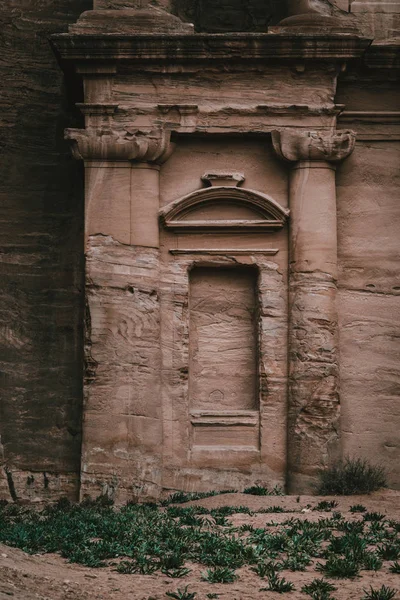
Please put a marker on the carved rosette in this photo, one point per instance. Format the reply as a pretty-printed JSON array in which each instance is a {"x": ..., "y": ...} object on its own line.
[
  {"x": 108, "y": 145},
  {"x": 295, "y": 146}
]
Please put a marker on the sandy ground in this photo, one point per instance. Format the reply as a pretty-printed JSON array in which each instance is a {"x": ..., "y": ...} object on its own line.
[{"x": 49, "y": 577}]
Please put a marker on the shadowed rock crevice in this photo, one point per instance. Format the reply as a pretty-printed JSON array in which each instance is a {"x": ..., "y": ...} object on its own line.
[{"x": 230, "y": 15}]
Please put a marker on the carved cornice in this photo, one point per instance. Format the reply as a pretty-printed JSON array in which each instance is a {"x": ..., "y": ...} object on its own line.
[
  {"x": 106, "y": 144},
  {"x": 295, "y": 146},
  {"x": 231, "y": 48}
]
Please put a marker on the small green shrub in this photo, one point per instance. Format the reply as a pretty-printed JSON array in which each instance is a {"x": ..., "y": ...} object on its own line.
[
  {"x": 357, "y": 508},
  {"x": 296, "y": 562},
  {"x": 337, "y": 566},
  {"x": 182, "y": 594},
  {"x": 395, "y": 568},
  {"x": 373, "y": 517},
  {"x": 371, "y": 562},
  {"x": 389, "y": 551},
  {"x": 326, "y": 505},
  {"x": 256, "y": 490},
  {"x": 259, "y": 490},
  {"x": 278, "y": 584},
  {"x": 264, "y": 568},
  {"x": 220, "y": 575},
  {"x": 383, "y": 593},
  {"x": 176, "y": 573},
  {"x": 351, "y": 476},
  {"x": 318, "y": 589},
  {"x": 273, "y": 509},
  {"x": 127, "y": 567},
  {"x": 181, "y": 497}
]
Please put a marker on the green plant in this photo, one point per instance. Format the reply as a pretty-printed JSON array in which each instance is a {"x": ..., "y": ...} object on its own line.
[
  {"x": 182, "y": 594},
  {"x": 126, "y": 567},
  {"x": 373, "y": 516},
  {"x": 212, "y": 595},
  {"x": 297, "y": 562},
  {"x": 319, "y": 589},
  {"x": 277, "y": 584},
  {"x": 273, "y": 509},
  {"x": 357, "y": 508},
  {"x": 351, "y": 526},
  {"x": 371, "y": 562},
  {"x": 389, "y": 551},
  {"x": 337, "y": 566},
  {"x": 145, "y": 566},
  {"x": 351, "y": 476},
  {"x": 220, "y": 575},
  {"x": 176, "y": 573},
  {"x": 257, "y": 490},
  {"x": 383, "y": 593},
  {"x": 395, "y": 568},
  {"x": 181, "y": 497},
  {"x": 326, "y": 505},
  {"x": 264, "y": 568}
]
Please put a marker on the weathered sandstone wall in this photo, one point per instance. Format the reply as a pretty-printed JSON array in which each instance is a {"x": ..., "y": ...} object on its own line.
[
  {"x": 137, "y": 370},
  {"x": 369, "y": 269},
  {"x": 41, "y": 263},
  {"x": 369, "y": 303}
]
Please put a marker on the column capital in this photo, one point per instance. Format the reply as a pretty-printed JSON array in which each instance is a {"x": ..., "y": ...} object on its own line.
[
  {"x": 295, "y": 146},
  {"x": 108, "y": 145}
]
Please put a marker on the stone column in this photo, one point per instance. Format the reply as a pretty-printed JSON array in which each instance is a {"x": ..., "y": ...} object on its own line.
[
  {"x": 314, "y": 406},
  {"x": 122, "y": 425}
]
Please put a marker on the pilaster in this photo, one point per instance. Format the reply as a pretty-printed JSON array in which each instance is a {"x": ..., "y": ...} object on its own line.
[
  {"x": 122, "y": 425},
  {"x": 314, "y": 399}
]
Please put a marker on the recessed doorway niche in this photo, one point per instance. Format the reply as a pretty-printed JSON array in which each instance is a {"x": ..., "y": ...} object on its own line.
[{"x": 223, "y": 364}]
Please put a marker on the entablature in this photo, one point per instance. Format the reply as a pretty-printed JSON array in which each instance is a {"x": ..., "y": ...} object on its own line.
[{"x": 203, "y": 119}]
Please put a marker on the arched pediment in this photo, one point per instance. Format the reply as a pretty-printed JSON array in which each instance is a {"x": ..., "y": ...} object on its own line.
[{"x": 224, "y": 208}]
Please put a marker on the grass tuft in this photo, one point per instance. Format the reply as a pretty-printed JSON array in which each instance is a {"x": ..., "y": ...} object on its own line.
[
  {"x": 319, "y": 589},
  {"x": 182, "y": 594},
  {"x": 278, "y": 584},
  {"x": 220, "y": 575},
  {"x": 383, "y": 593},
  {"x": 357, "y": 508},
  {"x": 395, "y": 568},
  {"x": 351, "y": 476},
  {"x": 337, "y": 566}
]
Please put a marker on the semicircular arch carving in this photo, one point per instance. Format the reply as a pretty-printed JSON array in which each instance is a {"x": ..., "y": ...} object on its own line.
[{"x": 266, "y": 213}]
